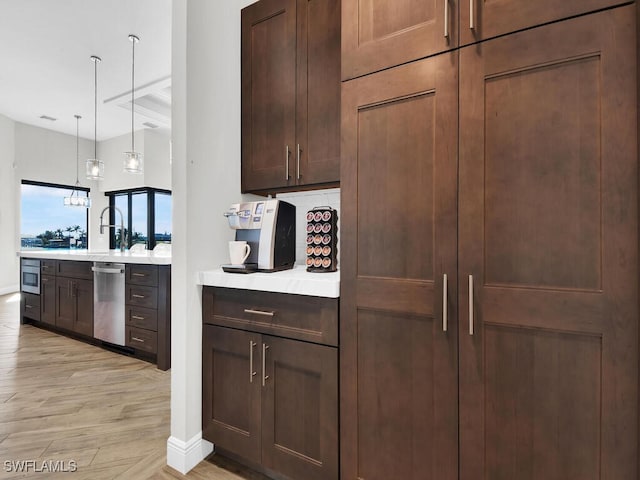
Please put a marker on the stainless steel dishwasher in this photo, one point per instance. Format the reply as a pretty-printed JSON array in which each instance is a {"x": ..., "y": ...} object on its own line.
[{"x": 108, "y": 302}]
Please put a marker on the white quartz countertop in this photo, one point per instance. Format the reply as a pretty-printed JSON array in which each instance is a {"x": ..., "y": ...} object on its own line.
[
  {"x": 141, "y": 257},
  {"x": 296, "y": 281}
]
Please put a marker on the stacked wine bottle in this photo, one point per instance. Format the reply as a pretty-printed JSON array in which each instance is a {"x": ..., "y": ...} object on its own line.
[{"x": 322, "y": 240}]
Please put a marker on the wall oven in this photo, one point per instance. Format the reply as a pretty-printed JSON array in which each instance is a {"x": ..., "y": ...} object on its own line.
[{"x": 30, "y": 276}]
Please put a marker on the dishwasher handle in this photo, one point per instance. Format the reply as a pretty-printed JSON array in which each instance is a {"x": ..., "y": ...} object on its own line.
[{"x": 107, "y": 270}]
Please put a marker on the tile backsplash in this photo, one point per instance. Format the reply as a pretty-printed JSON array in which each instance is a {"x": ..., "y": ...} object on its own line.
[{"x": 305, "y": 201}]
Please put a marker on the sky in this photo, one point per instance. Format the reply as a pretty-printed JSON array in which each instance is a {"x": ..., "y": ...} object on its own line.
[{"x": 42, "y": 209}]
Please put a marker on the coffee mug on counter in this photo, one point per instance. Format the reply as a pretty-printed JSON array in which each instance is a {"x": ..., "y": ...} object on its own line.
[{"x": 238, "y": 252}]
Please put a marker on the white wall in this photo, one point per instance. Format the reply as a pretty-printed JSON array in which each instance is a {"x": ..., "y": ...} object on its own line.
[
  {"x": 206, "y": 179},
  {"x": 153, "y": 144},
  {"x": 9, "y": 267}
]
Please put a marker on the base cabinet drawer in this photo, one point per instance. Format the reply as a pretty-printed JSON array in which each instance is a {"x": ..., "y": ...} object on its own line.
[
  {"x": 146, "y": 297},
  {"x": 31, "y": 306},
  {"x": 140, "y": 317},
  {"x": 146, "y": 275},
  {"x": 141, "y": 339}
]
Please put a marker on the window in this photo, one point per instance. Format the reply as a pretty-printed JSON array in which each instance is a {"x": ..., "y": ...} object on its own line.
[
  {"x": 147, "y": 216},
  {"x": 45, "y": 222}
]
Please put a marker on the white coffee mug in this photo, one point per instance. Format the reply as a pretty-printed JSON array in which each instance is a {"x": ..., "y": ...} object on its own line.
[{"x": 238, "y": 252}]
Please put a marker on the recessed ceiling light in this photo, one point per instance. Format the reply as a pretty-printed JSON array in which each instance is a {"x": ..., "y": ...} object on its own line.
[{"x": 47, "y": 117}]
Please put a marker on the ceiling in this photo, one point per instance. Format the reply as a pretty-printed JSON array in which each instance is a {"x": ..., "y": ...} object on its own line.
[{"x": 45, "y": 50}]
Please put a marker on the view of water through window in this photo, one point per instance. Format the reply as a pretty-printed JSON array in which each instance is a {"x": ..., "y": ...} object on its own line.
[{"x": 46, "y": 223}]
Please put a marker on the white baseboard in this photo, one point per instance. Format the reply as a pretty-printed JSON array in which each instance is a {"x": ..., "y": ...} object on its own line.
[
  {"x": 10, "y": 289},
  {"x": 183, "y": 456}
]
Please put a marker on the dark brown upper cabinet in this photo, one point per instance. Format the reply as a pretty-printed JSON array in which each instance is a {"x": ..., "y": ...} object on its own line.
[
  {"x": 480, "y": 20},
  {"x": 378, "y": 34},
  {"x": 290, "y": 94}
]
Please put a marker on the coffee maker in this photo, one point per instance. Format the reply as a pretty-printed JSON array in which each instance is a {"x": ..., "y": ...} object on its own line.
[{"x": 269, "y": 227}]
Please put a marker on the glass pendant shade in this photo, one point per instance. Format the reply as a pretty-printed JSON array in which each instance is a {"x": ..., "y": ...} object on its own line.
[
  {"x": 95, "y": 169},
  {"x": 133, "y": 162},
  {"x": 75, "y": 200}
]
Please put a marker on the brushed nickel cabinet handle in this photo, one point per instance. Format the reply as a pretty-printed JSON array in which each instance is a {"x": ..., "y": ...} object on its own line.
[
  {"x": 470, "y": 304},
  {"x": 265, "y": 347},
  {"x": 45, "y": 280},
  {"x": 28, "y": 306},
  {"x": 251, "y": 372},
  {"x": 259, "y": 312},
  {"x": 446, "y": 19},
  {"x": 444, "y": 303},
  {"x": 137, "y": 317},
  {"x": 286, "y": 163},
  {"x": 298, "y": 162},
  {"x": 134, "y": 274},
  {"x": 135, "y": 295},
  {"x": 137, "y": 339},
  {"x": 472, "y": 20}
]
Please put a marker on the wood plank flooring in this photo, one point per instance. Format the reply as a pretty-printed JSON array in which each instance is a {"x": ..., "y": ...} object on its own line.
[{"x": 63, "y": 400}]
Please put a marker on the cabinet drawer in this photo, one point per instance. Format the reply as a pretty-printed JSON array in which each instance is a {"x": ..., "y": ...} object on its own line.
[
  {"x": 142, "y": 296},
  {"x": 314, "y": 319},
  {"x": 141, "y": 339},
  {"x": 142, "y": 275},
  {"x": 48, "y": 267},
  {"x": 73, "y": 269},
  {"x": 142, "y": 318},
  {"x": 31, "y": 305}
]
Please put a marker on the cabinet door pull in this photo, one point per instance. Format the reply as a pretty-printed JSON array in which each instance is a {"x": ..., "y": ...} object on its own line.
[
  {"x": 265, "y": 347},
  {"x": 259, "y": 312},
  {"x": 251, "y": 372},
  {"x": 68, "y": 289},
  {"x": 135, "y": 295},
  {"x": 134, "y": 274},
  {"x": 444, "y": 303},
  {"x": 472, "y": 20},
  {"x": 137, "y": 317},
  {"x": 286, "y": 163},
  {"x": 137, "y": 339},
  {"x": 45, "y": 280},
  {"x": 28, "y": 306},
  {"x": 446, "y": 19},
  {"x": 298, "y": 162},
  {"x": 470, "y": 304}
]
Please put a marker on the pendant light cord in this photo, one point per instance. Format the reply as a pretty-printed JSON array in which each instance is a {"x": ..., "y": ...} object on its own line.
[{"x": 134, "y": 40}]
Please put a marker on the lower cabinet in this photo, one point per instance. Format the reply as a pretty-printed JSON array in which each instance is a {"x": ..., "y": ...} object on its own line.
[
  {"x": 74, "y": 305},
  {"x": 269, "y": 400}
]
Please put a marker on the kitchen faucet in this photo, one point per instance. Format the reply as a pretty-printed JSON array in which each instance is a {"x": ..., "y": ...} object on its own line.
[{"x": 123, "y": 236}]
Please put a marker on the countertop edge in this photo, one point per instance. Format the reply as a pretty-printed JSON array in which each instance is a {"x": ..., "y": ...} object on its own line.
[
  {"x": 294, "y": 282},
  {"x": 116, "y": 257}
]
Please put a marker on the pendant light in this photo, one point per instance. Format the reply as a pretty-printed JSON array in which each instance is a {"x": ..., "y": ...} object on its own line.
[
  {"x": 95, "y": 167},
  {"x": 75, "y": 200},
  {"x": 133, "y": 161}
]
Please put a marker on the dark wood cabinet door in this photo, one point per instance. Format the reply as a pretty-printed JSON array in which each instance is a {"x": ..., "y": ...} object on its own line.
[
  {"x": 231, "y": 383},
  {"x": 300, "y": 409},
  {"x": 74, "y": 269},
  {"x": 378, "y": 34},
  {"x": 481, "y": 19},
  {"x": 48, "y": 299},
  {"x": 549, "y": 231},
  {"x": 399, "y": 402},
  {"x": 317, "y": 149},
  {"x": 268, "y": 41},
  {"x": 83, "y": 292},
  {"x": 65, "y": 303}
]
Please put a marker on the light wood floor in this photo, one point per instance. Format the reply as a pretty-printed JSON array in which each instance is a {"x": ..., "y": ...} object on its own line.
[{"x": 62, "y": 400}]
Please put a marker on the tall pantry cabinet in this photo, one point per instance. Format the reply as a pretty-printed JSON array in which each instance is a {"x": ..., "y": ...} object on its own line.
[{"x": 489, "y": 284}]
